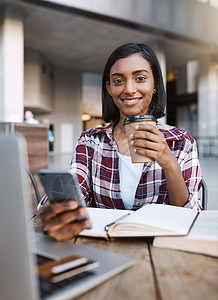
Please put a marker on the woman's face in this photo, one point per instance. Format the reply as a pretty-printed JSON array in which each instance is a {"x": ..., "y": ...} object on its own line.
[{"x": 131, "y": 85}]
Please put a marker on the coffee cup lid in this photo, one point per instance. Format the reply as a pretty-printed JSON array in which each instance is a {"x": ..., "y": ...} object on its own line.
[{"x": 139, "y": 119}]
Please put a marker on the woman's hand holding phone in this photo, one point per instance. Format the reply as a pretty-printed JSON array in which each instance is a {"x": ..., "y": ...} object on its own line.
[
  {"x": 65, "y": 214},
  {"x": 61, "y": 221}
]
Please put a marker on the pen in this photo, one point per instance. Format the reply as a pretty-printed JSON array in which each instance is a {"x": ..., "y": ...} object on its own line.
[{"x": 106, "y": 228}]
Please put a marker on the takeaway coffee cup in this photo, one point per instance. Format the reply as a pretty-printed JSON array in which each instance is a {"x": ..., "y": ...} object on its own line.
[{"x": 130, "y": 124}]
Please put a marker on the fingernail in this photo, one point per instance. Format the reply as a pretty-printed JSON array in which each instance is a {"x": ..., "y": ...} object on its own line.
[
  {"x": 72, "y": 203},
  {"x": 137, "y": 126},
  {"x": 132, "y": 143},
  {"x": 131, "y": 136},
  {"x": 88, "y": 223}
]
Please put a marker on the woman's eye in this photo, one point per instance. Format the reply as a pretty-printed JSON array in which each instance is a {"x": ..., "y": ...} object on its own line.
[
  {"x": 141, "y": 78},
  {"x": 118, "y": 81}
]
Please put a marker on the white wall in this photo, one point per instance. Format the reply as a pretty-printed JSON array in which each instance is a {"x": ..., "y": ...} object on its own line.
[
  {"x": 38, "y": 79},
  {"x": 56, "y": 93},
  {"x": 66, "y": 116},
  {"x": 31, "y": 78},
  {"x": 208, "y": 97},
  {"x": 11, "y": 64}
]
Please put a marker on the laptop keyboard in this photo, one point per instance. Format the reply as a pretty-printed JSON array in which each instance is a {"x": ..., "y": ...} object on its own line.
[{"x": 47, "y": 287}]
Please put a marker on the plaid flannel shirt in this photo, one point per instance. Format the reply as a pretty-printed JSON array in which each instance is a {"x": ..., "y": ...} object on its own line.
[{"x": 96, "y": 163}]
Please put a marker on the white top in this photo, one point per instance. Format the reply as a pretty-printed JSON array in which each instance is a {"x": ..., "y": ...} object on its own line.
[{"x": 130, "y": 175}]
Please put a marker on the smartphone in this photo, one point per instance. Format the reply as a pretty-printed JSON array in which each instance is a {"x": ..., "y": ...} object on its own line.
[{"x": 61, "y": 185}]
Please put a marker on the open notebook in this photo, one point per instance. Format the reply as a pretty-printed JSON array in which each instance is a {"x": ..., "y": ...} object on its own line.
[
  {"x": 148, "y": 221},
  {"x": 19, "y": 247}
]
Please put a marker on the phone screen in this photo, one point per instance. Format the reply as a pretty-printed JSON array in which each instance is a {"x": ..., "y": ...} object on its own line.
[{"x": 61, "y": 185}]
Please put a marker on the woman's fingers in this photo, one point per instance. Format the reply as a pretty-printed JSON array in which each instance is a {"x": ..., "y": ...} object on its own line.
[
  {"x": 147, "y": 132},
  {"x": 69, "y": 230},
  {"x": 52, "y": 209},
  {"x": 149, "y": 141},
  {"x": 64, "y": 218},
  {"x": 60, "y": 220}
]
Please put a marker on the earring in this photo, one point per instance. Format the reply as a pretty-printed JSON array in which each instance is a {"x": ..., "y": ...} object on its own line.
[{"x": 154, "y": 91}]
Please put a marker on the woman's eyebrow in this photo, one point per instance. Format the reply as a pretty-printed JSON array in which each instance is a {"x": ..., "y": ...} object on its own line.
[
  {"x": 139, "y": 71},
  {"x": 135, "y": 72},
  {"x": 116, "y": 74}
]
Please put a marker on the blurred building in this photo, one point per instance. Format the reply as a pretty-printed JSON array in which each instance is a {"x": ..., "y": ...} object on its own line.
[{"x": 52, "y": 54}]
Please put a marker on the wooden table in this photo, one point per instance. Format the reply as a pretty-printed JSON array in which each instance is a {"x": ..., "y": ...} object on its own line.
[{"x": 157, "y": 273}]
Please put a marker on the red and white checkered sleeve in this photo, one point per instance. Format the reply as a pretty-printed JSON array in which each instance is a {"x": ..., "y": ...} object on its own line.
[
  {"x": 192, "y": 174},
  {"x": 80, "y": 164}
]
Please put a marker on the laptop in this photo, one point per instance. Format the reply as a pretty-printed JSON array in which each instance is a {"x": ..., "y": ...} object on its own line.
[{"x": 21, "y": 248}]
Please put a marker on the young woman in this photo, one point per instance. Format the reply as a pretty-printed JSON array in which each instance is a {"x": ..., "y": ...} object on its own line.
[{"x": 132, "y": 85}]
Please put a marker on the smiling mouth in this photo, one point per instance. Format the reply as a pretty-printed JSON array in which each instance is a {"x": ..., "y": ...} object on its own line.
[{"x": 131, "y": 101}]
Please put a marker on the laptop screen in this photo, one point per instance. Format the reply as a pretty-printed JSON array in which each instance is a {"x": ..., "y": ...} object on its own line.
[
  {"x": 18, "y": 242},
  {"x": 15, "y": 257}
]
